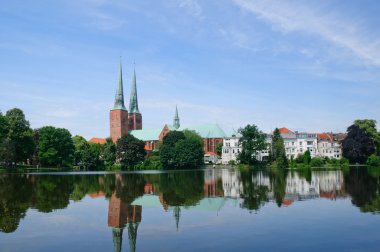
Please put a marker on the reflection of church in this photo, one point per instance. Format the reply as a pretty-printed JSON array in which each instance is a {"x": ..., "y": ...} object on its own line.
[{"x": 121, "y": 215}]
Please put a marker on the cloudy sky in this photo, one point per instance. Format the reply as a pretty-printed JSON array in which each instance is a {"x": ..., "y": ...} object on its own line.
[{"x": 308, "y": 65}]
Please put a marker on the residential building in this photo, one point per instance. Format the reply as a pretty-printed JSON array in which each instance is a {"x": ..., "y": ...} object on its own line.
[
  {"x": 329, "y": 145},
  {"x": 231, "y": 147}
]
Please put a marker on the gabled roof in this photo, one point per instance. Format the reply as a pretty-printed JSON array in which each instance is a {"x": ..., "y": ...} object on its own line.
[
  {"x": 285, "y": 130},
  {"x": 325, "y": 136},
  {"x": 146, "y": 134},
  {"x": 97, "y": 140}
]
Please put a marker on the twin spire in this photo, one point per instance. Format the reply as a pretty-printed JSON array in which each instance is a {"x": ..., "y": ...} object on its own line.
[{"x": 119, "y": 97}]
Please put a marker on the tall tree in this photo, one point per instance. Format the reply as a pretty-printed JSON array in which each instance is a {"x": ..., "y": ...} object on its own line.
[
  {"x": 56, "y": 146},
  {"x": 188, "y": 152},
  {"x": 109, "y": 152},
  {"x": 277, "y": 151},
  {"x": 369, "y": 126},
  {"x": 168, "y": 146},
  {"x": 130, "y": 151},
  {"x": 17, "y": 143},
  {"x": 181, "y": 150},
  {"x": 86, "y": 154},
  {"x": 252, "y": 141},
  {"x": 358, "y": 145}
]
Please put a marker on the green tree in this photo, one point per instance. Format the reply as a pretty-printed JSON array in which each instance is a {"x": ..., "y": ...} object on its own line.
[
  {"x": 188, "y": 152},
  {"x": 358, "y": 145},
  {"x": 252, "y": 141},
  {"x": 219, "y": 148},
  {"x": 277, "y": 151},
  {"x": 130, "y": 151},
  {"x": 168, "y": 146},
  {"x": 3, "y": 127},
  {"x": 369, "y": 126},
  {"x": 182, "y": 150},
  {"x": 86, "y": 154},
  {"x": 56, "y": 146},
  {"x": 17, "y": 137},
  {"x": 306, "y": 157},
  {"x": 109, "y": 152}
]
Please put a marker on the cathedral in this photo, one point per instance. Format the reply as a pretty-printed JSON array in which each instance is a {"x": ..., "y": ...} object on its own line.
[{"x": 123, "y": 122}]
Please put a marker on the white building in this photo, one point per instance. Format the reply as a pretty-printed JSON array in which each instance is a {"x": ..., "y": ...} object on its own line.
[
  {"x": 231, "y": 148},
  {"x": 329, "y": 146}
]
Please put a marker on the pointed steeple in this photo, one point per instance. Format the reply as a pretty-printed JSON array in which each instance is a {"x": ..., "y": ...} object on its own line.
[
  {"x": 119, "y": 97},
  {"x": 133, "y": 104},
  {"x": 117, "y": 237},
  {"x": 132, "y": 235},
  {"x": 177, "y": 215},
  {"x": 176, "y": 123}
]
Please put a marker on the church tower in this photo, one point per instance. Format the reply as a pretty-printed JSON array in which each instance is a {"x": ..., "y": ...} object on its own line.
[
  {"x": 135, "y": 118},
  {"x": 119, "y": 114},
  {"x": 176, "y": 123}
]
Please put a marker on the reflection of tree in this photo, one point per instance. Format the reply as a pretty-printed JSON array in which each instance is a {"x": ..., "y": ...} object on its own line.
[
  {"x": 129, "y": 186},
  {"x": 53, "y": 192},
  {"x": 364, "y": 187},
  {"x": 278, "y": 181},
  {"x": 15, "y": 198},
  {"x": 182, "y": 188},
  {"x": 253, "y": 195}
]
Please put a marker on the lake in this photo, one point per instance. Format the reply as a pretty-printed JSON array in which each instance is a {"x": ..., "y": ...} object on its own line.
[{"x": 204, "y": 210}]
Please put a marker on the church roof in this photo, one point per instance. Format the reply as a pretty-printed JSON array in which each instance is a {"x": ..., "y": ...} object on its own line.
[
  {"x": 146, "y": 134},
  {"x": 206, "y": 130}
]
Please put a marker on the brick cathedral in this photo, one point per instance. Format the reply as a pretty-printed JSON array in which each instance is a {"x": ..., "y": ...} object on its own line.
[{"x": 123, "y": 122}]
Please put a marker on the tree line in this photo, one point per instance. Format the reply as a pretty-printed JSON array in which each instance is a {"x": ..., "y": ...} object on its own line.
[
  {"x": 49, "y": 146},
  {"x": 360, "y": 146}
]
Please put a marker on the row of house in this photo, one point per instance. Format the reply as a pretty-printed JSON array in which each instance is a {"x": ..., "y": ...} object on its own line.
[{"x": 296, "y": 143}]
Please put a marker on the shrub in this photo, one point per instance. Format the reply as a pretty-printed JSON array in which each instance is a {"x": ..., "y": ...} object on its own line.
[
  {"x": 373, "y": 160},
  {"x": 316, "y": 162}
]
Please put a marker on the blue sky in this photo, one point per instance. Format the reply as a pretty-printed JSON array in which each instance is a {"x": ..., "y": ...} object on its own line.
[{"x": 308, "y": 65}]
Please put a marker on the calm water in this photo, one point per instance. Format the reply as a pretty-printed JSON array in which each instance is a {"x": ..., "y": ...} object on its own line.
[{"x": 208, "y": 210}]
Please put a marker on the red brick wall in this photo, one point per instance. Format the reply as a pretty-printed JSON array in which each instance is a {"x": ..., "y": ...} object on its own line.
[
  {"x": 118, "y": 124},
  {"x": 135, "y": 121}
]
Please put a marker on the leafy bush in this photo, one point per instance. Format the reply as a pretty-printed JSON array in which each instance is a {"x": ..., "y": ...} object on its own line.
[
  {"x": 373, "y": 160},
  {"x": 316, "y": 162}
]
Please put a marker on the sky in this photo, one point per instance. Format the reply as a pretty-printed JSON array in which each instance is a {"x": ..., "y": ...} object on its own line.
[{"x": 307, "y": 65}]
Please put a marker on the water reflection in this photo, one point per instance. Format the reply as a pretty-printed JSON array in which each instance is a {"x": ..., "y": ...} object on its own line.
[{"x": 205, "y": 190}]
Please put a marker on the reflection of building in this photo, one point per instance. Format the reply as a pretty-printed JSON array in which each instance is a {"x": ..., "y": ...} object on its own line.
[{"x": 121, "y": 215}]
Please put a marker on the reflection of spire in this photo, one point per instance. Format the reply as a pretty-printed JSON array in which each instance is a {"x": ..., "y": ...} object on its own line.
[
  {"x": 177, "y": 215},
  {"x": 132, "y": 235},
  {"x": 117, "y": 235}
]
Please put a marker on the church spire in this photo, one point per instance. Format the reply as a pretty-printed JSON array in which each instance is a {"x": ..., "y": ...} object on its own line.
[
  {"x": 176, "y": 123},
  {"x": 119, "y": 97},
  {"x": 117, "y": 236},
  {"x": 133, "y": 104}
]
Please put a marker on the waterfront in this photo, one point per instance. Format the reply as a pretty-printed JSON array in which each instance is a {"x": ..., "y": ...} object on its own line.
[{"x": 207, "y": 210}]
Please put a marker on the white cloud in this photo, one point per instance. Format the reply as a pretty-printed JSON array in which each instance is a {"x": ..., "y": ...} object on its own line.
[
  {"x": 291, "y": 17},
  {"x": 192, "y": 7}
]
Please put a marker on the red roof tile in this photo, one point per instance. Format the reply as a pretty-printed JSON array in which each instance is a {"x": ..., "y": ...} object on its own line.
[
  {"x": 285, "y": 130},
  {"x": 325, "y": 136},
  {"x": 97, "y": 140}
]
